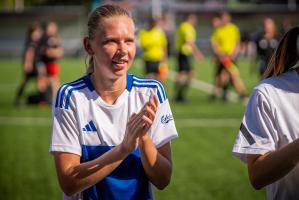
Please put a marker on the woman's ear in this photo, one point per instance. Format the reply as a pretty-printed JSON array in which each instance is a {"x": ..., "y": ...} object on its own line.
[{"x": 87, "y": 46}]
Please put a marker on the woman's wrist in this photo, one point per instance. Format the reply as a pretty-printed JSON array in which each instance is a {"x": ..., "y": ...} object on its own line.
[{"x": 123, "y": 150}]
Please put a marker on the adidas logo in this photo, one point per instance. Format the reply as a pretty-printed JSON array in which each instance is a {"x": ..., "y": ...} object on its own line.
[{"x": 89, "y": 127}]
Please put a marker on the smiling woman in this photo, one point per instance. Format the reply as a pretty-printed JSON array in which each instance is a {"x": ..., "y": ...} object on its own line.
[{"x": 110, "y": 138}]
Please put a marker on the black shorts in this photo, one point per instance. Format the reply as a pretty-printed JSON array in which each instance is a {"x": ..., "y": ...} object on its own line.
[
  {"x": 219, "y": 67},
  {"x": 152, "y": 67},
  {"x": 184, "y": 63}
]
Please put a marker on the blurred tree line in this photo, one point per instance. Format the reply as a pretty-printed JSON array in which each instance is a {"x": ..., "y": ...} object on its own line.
[{"x": 28, "y": 3}]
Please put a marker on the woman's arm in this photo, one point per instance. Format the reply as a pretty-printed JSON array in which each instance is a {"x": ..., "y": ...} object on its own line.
[
  {"x": 196, "y": 52},
  {"x": 270, "y": 167},
  {"x": 156, "y": 162},
  {"x": 29, "y": 59},
  {"x": 74, "y": 176}
]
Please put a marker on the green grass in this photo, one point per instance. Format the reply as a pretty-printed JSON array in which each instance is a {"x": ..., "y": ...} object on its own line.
[{"x": 204, "y": 167}]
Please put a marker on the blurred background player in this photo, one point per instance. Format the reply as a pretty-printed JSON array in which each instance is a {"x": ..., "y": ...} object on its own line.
[
  {"x": 266, "y": 42},
  {"x": 186, "y": 48},
  {"x": 51, "y": 51},
  {"x": 216, "y": 23},
  {"x": 153, "y": 42},
  {"x": 30, "y": 60},
  {"x": 285, "y": 25},
  {"x": 225, "y": 44}
]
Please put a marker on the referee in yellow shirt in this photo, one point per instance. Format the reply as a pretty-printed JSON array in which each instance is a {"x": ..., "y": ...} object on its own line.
[
  {"x": 153, "y": 43},
  {"x": 186, "y": 48},
  {"x": 225, "y": 44}
]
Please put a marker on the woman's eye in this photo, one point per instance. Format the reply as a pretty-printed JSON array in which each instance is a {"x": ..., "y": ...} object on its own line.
[
  {"x": 130, "y": 41},
  {"x": 109, "y": 41}
]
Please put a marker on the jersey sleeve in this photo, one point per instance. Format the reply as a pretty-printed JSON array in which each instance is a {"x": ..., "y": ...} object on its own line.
[
  {"x": 163, "y": 129},
  {"x": 190, "y": 35},
  {"x": 257, "y": 133},
  {"x": 65, "y": 133}
]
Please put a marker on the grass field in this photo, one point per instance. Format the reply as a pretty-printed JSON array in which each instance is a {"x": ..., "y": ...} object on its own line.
[{"x": 204, "y": 167}]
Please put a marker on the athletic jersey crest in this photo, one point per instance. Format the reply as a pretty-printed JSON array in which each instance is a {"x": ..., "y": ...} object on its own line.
[{"x": 85, "y": 125}]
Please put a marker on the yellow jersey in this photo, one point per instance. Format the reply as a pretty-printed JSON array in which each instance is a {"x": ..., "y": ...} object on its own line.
[
  {"x": 153, "y": 43},
  {"x": 227, "y": 38},
  {"x": 185, "y": 33}
]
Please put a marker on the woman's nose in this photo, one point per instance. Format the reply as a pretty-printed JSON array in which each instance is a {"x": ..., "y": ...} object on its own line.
[{"x": 122, "y": 48}]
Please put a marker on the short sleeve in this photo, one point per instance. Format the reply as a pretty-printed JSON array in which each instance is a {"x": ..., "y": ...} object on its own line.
[
  {"x": 257, "y": 133},
  {"x": 163, "y": 129},
  {"x": 190, "y": 34},
  {"x": 65, "y": 133}
]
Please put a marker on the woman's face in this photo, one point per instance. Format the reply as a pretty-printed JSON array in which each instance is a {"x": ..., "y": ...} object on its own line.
[
  {"x": 36, "y": 34},
  {"x": 269, "y": 25},
  {"x": 216, "y": 22},
  {"x": 114, "y": 46}
]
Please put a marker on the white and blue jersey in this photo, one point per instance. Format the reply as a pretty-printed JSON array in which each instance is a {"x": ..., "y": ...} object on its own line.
[{"x": 85, "y": 125}]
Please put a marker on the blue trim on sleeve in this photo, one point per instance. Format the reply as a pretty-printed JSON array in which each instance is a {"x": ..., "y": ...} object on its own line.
[
  {"x": 151, "y": 86},
  {"x": 78, "y": 84},
  {"x": 153, "y": 81},
  {"x": 68, "y": 96},
  {"x": 62, "y": 89}
]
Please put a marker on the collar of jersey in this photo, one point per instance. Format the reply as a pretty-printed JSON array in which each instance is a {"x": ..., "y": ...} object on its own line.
[{"x": 120, "y": 100}]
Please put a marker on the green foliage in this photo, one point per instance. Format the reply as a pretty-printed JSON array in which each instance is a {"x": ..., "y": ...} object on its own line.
[{"x": 203, "y": 166}]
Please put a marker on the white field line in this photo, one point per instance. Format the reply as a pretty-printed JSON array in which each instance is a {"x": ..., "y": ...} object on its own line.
[
  {"x": 205, "y": 87},
  {"x": 25, "y": 121},
  {"x": 211, "y": 123},
  {"x": 200, "y": 122}
]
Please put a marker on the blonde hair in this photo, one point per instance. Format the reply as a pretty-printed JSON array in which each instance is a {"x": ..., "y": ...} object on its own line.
[
  {"x": 94, "y": 23},
  {"x": 285, "y": 56}
]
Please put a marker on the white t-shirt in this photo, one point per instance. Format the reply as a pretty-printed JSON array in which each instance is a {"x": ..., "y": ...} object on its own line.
[
  {"x": 85, "y": 125},
  {"x": 271, "y": 121}
]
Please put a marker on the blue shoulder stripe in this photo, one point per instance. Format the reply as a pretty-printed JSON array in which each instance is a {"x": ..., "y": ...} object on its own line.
[
  {"x": 144, "y": 80},
  {"x": 150, "y": 86},
  {"x": 68, "y": 96},
  {"x": 62, "y": 89}
]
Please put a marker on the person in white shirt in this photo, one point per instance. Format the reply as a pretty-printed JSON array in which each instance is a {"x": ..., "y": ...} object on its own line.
[
  {"x": 112, "y": 130},
  {"x": 268, "y": 137}
]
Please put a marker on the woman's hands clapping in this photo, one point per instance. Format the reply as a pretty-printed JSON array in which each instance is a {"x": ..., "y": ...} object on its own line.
[{"x": 139, "y": 124}]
